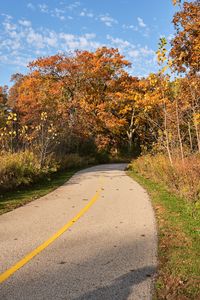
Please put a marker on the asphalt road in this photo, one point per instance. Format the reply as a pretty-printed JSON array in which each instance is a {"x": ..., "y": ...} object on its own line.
[{"x": 107, "y": 252}]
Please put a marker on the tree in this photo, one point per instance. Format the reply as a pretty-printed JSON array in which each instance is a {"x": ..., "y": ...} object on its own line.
[
  {"x": 77, "y": 92},
  {"x": 3, "y": 104},
  {"x": 87, "y": 80},
  {"x": 127, "y": 108},
  {"x": 185, "y": 50}
]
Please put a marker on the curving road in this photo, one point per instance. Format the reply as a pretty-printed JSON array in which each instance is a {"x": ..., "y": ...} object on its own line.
[{"x": 108, "y": 251}]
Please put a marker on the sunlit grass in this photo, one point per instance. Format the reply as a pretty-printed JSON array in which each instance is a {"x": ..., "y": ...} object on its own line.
[{"x": 179, "y": 243}]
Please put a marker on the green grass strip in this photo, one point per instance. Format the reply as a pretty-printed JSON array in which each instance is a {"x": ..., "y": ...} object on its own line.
[
  {"x": 178, "y": 224},
  {"x": 13, "y": 199}
]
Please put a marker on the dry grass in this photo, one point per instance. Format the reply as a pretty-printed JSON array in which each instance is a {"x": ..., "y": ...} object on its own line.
[
  {"x": 22, "y": 169},
  {"x": 183, "y": 178},
  {"x": 18, "y": 169},
  {"x": 178, "y": 226},
  {"x": 75, "y": 161}
]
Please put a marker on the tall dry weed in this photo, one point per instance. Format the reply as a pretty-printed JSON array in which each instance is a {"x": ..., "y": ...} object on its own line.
[{"x": 183, "y": 177}]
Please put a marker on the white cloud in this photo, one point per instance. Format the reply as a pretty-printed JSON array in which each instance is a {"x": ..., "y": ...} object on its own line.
[
  {"x": 66, "y": 36},
  {"x": 131, "y": 27},
  {"x": 90, "y": 15},
  {"x": 25, "y": 23},
  {"x": 74, "y": 5},
  {"x": 141, "y": 22},
  {"x": 107, "y": 20},
  {"x": 30, "y": 6},
  {"x": 35, "y": 39},
  {"x": 119, "y": 43},
  {"x": 83, "y": 42},
  {"x": 85, "y": 13},
  {"x": 7, "y": 17},
  {"x": 22, "y": 36},
  {"x": 58, "y": 13},
  {"x": 142, "y": 57},
  {"x": 43, "y": 8},
  {"x": 90, "y": 35},
  {"x": 16, "y": 60},
  {"x": 51, "y": 40},
  {"x": 10, "y": 44},
  {"x": 20, "y": 61},
  {"x": 145, "y": 51},
  {"x": 134, "y": 53},
  {"x": 73, "y": 42},
  {"x": 8, "y": 25},
  {"x": 20, "y": 42}
]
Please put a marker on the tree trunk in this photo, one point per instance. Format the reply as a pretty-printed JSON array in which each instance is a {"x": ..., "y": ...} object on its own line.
[
  {"x": 179, "y": 131},
  {"x": 195, "y": 109},
  {"x": 131, "y": 131},
  {"x": 197, "y": 132},
  {"x": 190, "y": 137},
  {"x": 166, "y": 136},
  {"x": 130, "y": 140}
]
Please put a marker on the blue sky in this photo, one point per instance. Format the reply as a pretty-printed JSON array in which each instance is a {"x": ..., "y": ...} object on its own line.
[{"x": 31, "y": 29}]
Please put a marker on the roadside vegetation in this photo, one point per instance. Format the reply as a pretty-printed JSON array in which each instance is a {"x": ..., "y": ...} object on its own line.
[
  {"x": 170, "y": 168},
  {"x": 22, "y": 169},
  {"x": 178, "y": 222},
  {"x": 12, "y": 199},
  {"x": 23, "y": 180},
  {"x": 183, "y": 178}
]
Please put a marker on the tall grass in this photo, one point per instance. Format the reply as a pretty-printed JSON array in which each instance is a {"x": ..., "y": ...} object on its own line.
[
  {"x": 183, "y": 177},
  {"x": 23, "y": 168},
  {"x": 75, "y": 161},
  {"x": 18, "y": 169}
]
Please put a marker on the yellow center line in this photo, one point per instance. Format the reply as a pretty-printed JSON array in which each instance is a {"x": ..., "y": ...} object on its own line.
[{"x": 44, "y": 245}]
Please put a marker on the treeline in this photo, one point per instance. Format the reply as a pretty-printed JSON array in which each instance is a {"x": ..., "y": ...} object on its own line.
[{"x": 88, "y": 105}]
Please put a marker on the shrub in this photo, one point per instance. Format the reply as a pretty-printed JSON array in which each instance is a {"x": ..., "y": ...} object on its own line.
[
  {"x": 74, "y": 161},
  {"x": 18, "y": 169},
  {"x": 102, "y": 157},
  {"x": 183, "y": 177}
]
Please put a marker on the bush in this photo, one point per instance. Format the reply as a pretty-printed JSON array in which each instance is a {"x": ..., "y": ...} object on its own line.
[
  {"x": 74, "y": 161},
  {"x": 102, "y": 157},
  {"x": 18, "y": 169},
  {"x": 183, "y": 177},
  {"x": 23, "y": 168}
]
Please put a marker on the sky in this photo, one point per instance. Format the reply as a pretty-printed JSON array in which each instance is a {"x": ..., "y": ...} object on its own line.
[{"x": 37, "y": 28}]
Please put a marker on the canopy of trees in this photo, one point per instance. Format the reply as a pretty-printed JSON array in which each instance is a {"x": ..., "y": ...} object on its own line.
[{"x": 88, "y": 103}]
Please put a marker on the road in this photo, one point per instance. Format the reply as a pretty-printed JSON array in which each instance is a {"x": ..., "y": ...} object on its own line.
[{"x": 103, "y": 241}]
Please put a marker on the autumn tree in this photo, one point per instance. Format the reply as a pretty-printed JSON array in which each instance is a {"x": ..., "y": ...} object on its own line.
[
  {"x": 188, "y": 96},
  {"x": 86, "y": 81},
  {"x": 127, "y": 109},
  {"x": 185, "y": 50},
  {"x": 3, "y": 104},
  {"x": 185, "y": 54},
  {"x": 77, "y": 92}
]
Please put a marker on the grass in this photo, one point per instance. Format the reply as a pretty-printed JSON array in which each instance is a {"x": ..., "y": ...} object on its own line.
[
  {"x": 178, "y": 224},
  {"x": 13, "y": 199}
]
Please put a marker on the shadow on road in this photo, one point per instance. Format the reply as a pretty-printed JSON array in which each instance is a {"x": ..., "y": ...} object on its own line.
[
  {"x": 121, "y": 287},
  {"x": 78, "y": 269}
]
